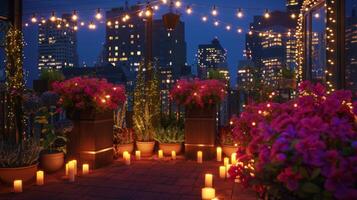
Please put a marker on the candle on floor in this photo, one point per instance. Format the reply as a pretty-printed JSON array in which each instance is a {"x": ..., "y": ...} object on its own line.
[
  {"x": 137, "y": 155},
  {"x": 208, "y": 193},
  {"x": 71, "y": 175},
  {"x": 234, "y": 158},
  {"x": 124, "y": 153},
  {"x": 17, "y": 186},
  {"x": 208, "y": 180},
  {"x": 74, "y": 167},
  {"x": 199, "y": 156},
  {"x": 227, "y": 169},
  {"x": 67, "y": 169},
  {"x": 85, "y": 169},
  {"x": 127, "y": 159},
  {"x": 219, "y": 154},
  {"x": 160, "y": 154},
  {"x": 39, "y": 178},
  {"x": 173, "y": 155},
  {"x": 226, "y": 161},
  {"x": 222, "y": 172}
]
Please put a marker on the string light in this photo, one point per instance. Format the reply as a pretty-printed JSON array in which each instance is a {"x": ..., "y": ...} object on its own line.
[
  {"x": 98, "y": 16},
  {"x": 43, "y": 21},
  {"x": 127, "y": 17},
  {"x": 240, "y": 13},
  {"x": 266, "y": 14},
  {"x": 189, "y": 10},
  {"x": 250, "y": 33},
  {"x": 33, "y": 18},
  {"x": 109, "y": 23},
  {"x": 58, "y": 26},
  {"x": 214, "y": 11},
  {"x": 156, "y": 7},
  {"x": 239, "y": 30},
  {"x": 75, "y": 28},
  {"x": 178, "y": 4},
  {"x": 148, "y": 13},
  {"x": 204, "y": 18},
  {"x": 164, "y": 1},
  {"x": 317, "y": 15},
  {"x": 74, "y": 16},
  {"x": 293, "y": 16},
  {"x": 92, "y": 26},
  {"x": 67, "y": 25},
  {"x": 228, "y": 27},
  {"x": 82, "y": 24},
  {"x": 216, "y": 23},
  {"x": 53, "y": 17}
]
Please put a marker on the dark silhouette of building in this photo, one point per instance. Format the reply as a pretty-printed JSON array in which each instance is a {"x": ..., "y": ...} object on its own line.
[
  {"x": 57, "y": 43},
  {"x": 351, "y": 50}
]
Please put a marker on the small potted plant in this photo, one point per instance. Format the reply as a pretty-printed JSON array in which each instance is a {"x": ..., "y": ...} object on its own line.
[
  {"x": 227, "y": 141},
  {"x": 145, "y": 132},
  {"x": 170, "y": 139},
  {"x": 18, "y": 161},
  {"x": 123, "y": 141}
]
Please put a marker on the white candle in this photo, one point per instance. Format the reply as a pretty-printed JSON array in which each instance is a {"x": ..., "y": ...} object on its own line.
[
  {"x": 208, "y": 180},
  {"x": 39, "y": 178},
  {"x": 219, "y": 154},
  {"x": 74, "y": 166},
  {"x": 226, "y": 161},
  {"x": 173, "y": 155},
  {"x": 208, "y": 193},
  {"x": 17, "y": 186},
  {"x": 124, "y": 153},
  {"x": 199, "y": 156},
  {"x": 222, "y": 172},
  {"x": 137, "y": 155},
  {"x": 67, "y": 169},
  {"x": 234, "y": 158},
  {"x": 85, "y": 169},
  {"x": 71, "y": 175},
  {"x": 127, "y": 159},
  {"x": 160, "y": 154}
]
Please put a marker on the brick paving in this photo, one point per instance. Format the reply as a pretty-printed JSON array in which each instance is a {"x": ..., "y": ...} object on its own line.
[{"x": 142, "y": 180}]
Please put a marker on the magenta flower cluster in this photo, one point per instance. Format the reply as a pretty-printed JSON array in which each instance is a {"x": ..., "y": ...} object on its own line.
[
  {"x": 82, "y": 93},
  {"x": 198, "y": 93},
  {"x": 305, "y": 148}
]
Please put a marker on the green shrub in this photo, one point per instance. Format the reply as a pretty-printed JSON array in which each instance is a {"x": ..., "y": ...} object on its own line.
[{"x": 169, "y": 135}]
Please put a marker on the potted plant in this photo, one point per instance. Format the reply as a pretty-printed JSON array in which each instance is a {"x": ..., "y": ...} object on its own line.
[
  {"x": 200, "y": 98},
  {"x": 145, "y": 132},
  {"x": 18, "y": 161},
  {"x": 47, "y": 77},
  {"x": 170, "y": 139},
  {"x": 89, "y": 104},
  {"x": 227, "y": 142},
  {"x": 123, "y": 141}
]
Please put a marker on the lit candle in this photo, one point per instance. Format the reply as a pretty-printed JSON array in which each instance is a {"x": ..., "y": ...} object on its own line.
[
  {"x": 85, "y": 169},
  {"x": 222, "y": 172},
  {"x": 208, "y": 180},
  {"x": 127, "y": 159},
  {"x": 124, "y": 153},
  {"x": 208, "y": 193},
  {"x": 71, "y": 175},
  {"x": 219, "y": 154},
  {"x": 137, "y": 155},
  {"x": 227, "y": 169},
  {"x": 67, "y": 169},
  {"x": 234, "y": 158},
  {"x": 17, "y": 186},
  {"x": 161, "y": 154},
  {"x": 226, "y": 161},
  {"x": 173, "y": 155},
  {"x": 74, "y": 166},
  {"x": 199, "y": 156},
  {"x": 39, "y": 178}
]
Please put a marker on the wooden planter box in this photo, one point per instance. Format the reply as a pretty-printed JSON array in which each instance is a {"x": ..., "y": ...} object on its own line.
[
  {"x": 91, "y": 140},
  {"x": 200, "y": 132}
]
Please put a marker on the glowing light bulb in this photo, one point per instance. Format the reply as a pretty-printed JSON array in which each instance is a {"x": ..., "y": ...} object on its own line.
[
  {"x": 266, "y": 14},
  {"x": 82, "y": 23},
  {"x": 178, "y": 4},
  {"x": 293, "y": 16},
  {"x": 240, "y": 13},
  {"x": 317, "y": 15},
  {"x": 75, "y": 28},
  {"x": 189, "y": 10},
  {"x": 216, "y": 23},
  {"x": 214, "y": 11},
  {"x": 250, "y": 32},
  {"x": 33, "y": 18},
  {"x": 74, "y": 16},
  {"x": 43, "y": 21},
  {"x": 156, "y": 7},
  {"x": 26, "y": 24},
  {"x": 58, "y": 25},
  {"x": 204, "y": 19},
  {"x": 239, "y": 30},
  {"x": 67, "y": 25},
  {"x": 109, "y": 23},
  {"x": 53, "y": 17},
  {"x": 98, "y": 16},
  {"x": 91, "y": 26},
  {"x": 164, "y": 1},
  {"x": 228, "y": 28},
  {"x": 127, "y": 17},
  {"x": 148, "y": 13}
]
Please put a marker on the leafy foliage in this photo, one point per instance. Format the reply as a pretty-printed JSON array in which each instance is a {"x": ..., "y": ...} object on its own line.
[
  {"x": 123, "y": 136},
  {"x": 51, "y": 75},
  {"x": 170, "y": 135},
  {"x": 226, "y": 136}
]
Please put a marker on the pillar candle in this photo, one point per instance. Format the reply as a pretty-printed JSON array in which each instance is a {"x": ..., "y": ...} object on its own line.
[
  {"x": 71, "y": 175},
  {"x": 137, "y": 155},
  {"x": 160, "y": 154},
  {"x": 127, "y": 159},
  {"x": 75, "y": 166},
  {"x": 226, "y": 161},
  {"x": 219, "y": 154},
  {"x": 234, "y": 158},
  {"x": 222, "y": 172},
  {"x": 173, "y": 155},
  {"x": 39, "y": 178},
  {"x": 85, "y": 169},
  {"x": 124, "y": 153},
  {"x": 208, "y": 193},
  {"x": 17, "y": 186},
  {"x": 199, "y": 156},
  {"x": 67, "y": 169},
  {"x": 208, "y": 180}
]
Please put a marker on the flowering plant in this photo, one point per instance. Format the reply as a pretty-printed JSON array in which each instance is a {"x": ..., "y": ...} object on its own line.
[
  {"x": 81, "y": 93},
  {"x": 198, "y": 92},
  {"x": 302, "y": 149}
]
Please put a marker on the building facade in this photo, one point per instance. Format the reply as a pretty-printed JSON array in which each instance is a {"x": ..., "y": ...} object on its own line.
[
  {"x": 351, "y": 50},
  {"x": 57, "y": 43}
]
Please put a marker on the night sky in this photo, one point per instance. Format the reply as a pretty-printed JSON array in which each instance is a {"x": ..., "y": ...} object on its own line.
[{"x": 90, "y": 42}]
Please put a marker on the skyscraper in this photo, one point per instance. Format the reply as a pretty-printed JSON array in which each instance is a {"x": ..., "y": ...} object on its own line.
[
  {"x": 294, "y": 6},
  {"x": 57, "y": 43},
  {"x": 351, "y": 50},
  {"x": 211, "y": 56}
]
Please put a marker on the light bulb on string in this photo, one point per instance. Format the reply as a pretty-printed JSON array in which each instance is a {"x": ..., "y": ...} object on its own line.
[
  {"x": 250, "y": 33},
  {"x": 91, "y": 25},
  {"x": 178, "y": 4},
  {"x": 127, "y": 17},
  {"x": 214, "y": 11},
  {"x": 53, "y": 17},
  {"x": 156, "y": 7},
  {"x": 204, "y": 18},
  {"x": 82, "y": 24},
  {"x": 148, "y": 13},
  {"x": 26, "y": 24},
  {"x": 228, "y": 27},
  {"x": 58, "y": 26},
  {"x": 67, "y": 25},
  {"x": 240, "y": 13},
  {"x": 75, "y": 28},
  {"x": 43, "y": 21},
  {"x": 293, "y": 16},
  {"x": 34, "y": 18},
  {"x": 266, "y": 14},
  {"x": 317, "y": 15},
  {"x": 164, "y": 1},
  {"x": 216, "y": 23},
  {"x": 109, "y": 23},
  {"x": 140, "y": 14},
  {"x": 98, "y": 15},
  {"x": 239, "y": 30},
  {"x": 74, "y": 16},
  {"x": 189, "y": 10}
]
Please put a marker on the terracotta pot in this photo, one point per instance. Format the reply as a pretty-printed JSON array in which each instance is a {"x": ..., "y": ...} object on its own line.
[
  {"x": 120, "y": 148},
  {"x": 8, "y": 175},
  {"x": 51, "y": 162},
  {"x": 168, "y": 148},
  {"x": 229, "y": 149},
  {"x": 146, "y": 148}
]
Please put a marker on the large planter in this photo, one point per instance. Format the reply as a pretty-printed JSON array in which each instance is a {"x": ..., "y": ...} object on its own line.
[
  {"x": 121, "y": 148},
  {"x": 200, "y": 132},
  {"x": 228, "y": 150},
  {"x": 91, "y": 140},
  {"x": 52, "y": 162},
  {"x": 168, "y": 148},
  {"x": 146, "y": 148},
  {"x": 8, "y": 175},
  {"x": 41, "y": 86}
]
